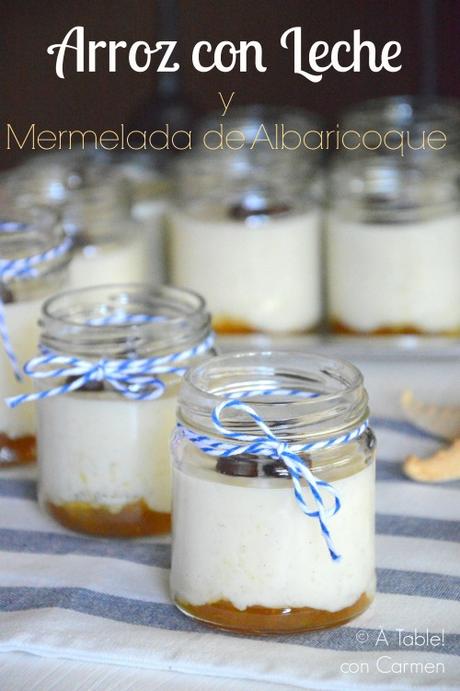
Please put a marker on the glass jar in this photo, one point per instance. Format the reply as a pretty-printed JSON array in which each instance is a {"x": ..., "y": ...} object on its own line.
[
  {"x": 93, "y": 195},
  {"x": 245, "y": 556},
  {"x": 45, "y": 178},
  {"x": 103, "y": 454},
  {"x": 245, "y": 233},
  {"x": 414, "y": 116},
  {"x": 149, "y": 190},
  {"x": 262, "y": 130},
  {"x": 25, "y": 233},
  {"x": 148, "y": 184},
  {"x": 109, "y": 245},
  {"x": 393, "y": 246}
]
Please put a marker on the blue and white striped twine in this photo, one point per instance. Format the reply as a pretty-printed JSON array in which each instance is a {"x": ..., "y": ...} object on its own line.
[
  {"x": 271, "y": 446},
  {"x": 23, "y": 268},
  {"x": 121, "y": 319},
  {"x": 137, "y": 379}
]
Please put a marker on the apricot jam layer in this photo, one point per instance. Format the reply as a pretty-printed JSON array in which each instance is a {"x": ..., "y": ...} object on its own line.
[
  {"x": 133, "y": 520},
  {"x": 15, "y": 452},
  {"x": 229, "y": 326},
  {"x": 263, "y": 620},
  {"x": 339, "y": 327}
]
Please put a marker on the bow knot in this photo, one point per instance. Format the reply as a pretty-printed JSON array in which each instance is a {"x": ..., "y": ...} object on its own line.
[
  {"x": 139, "y": 379},
  {"x": 100, "y": 372},
  {"x": 280, "y": 448}
]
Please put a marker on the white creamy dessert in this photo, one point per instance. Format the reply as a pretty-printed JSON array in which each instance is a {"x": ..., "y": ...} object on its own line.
[
  {"x": 22, "y": 324},
  {"x": 396, "y": 276},
  {"x": 151, "y": 215},
  {"x": 253, "y": 463},
  {"x": 261, "y": 275},
  {"x": 393, "y": 241},
  {"x": 111, "y": 262},
  {"x": 246, "y": 541},
  {"x": 110, "y": 246},
  {"x": 148, "y": 190},
  {"x": 29, "y": 237},
  {"x": 103, "y": 447},
  {"x": 103, "y": 450}
]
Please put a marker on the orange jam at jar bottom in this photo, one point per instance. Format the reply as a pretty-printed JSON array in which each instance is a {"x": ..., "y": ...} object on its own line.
[
  {"x": 14, "y": 452},
  {"x": 132, "y": 520},
  {"x": 227, "y": 325},
  {"x": 264, "y": 620},
  {"x": 339, "y": 327}
]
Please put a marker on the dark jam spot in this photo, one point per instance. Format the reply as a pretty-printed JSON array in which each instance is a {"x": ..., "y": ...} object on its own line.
[
  {"x": 91, "y": 386},
  {"x": 275, "y": 469},
  {"x": 240, "y": 466},
  {"x": 81, "y": 239},
  {"x": 6, "y": 295},
  {"x": 243, "y": 211},
  {"x": 248, "y": 466}
]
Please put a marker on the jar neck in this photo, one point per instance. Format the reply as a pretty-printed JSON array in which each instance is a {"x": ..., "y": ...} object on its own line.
[
  {"x": 244, "y": 185},
  {"x": 48, "y": 178},
  {"x": 384, "y": 190},
  {"x": 248, "y": 119},
  {"x": 412, "y": 114},
  {"x": 81, "y": 322},
  {"x": 339, "y": 404},
  {"x": 31, "y": 232},
  {"x": 90, "y": 196},
  {"x": 94, "y": 214}
]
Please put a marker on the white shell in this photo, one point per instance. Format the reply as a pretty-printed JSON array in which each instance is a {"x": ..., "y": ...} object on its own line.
[
  {"x": 442, "y": 466},
  {"x": 443, "y": 421}
]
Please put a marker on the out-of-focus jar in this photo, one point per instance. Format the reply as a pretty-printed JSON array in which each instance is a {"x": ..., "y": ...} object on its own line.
[
  {"x": 414, "y": 116},
  {"x": 113, "y": 207},
  {"x": 25, "y": 234},
  {"x": 393, "y": 246},
  {"x": 45, "y": 179},
  {"x": 109, "y": 245},
  {"x": 245, "y": 233},
  {"x": 260, "y": 129},
  {"x": 245, "y": 556},
  {"x": 103, "y": 453},
  {"x": 149, "y": 190}
]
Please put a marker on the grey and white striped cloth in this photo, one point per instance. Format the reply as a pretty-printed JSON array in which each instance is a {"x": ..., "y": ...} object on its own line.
[{"x": 64, "y": 595}]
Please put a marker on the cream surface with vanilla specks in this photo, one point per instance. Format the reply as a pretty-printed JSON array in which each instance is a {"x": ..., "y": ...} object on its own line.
[
  {"x": 248, "y": 542},
  {"x": 106, "y": 450}
]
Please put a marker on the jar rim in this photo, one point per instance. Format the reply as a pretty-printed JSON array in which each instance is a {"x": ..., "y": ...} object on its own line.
[
  {"x": 393, "y": 163},
  {"x": 27, "y": 231},
  {"x": 403, "y": 109},
  {"x": 248, "y": 117},
  {"x": 32, "y": 229},
  {"x": 217, "y": 181},
  {"x": 66, "y": 317},
  {"x": 388, "y": 188},
  {"x": 342, "y": 403}
]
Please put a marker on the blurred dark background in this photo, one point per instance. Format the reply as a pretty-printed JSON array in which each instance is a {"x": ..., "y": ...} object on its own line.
[{"x": 428, "y": 30}]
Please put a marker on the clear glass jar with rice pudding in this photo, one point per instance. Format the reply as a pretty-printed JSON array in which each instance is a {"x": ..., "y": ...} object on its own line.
[{"x": 273, "y": 477}]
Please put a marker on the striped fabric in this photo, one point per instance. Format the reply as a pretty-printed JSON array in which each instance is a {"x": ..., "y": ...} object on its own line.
[{"x": 106, "y": 601}]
